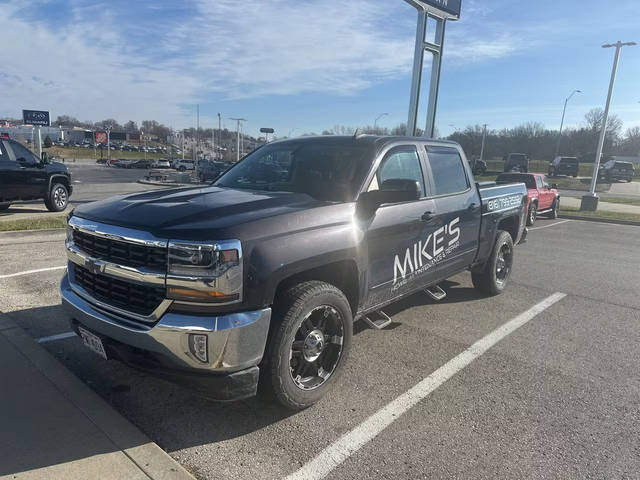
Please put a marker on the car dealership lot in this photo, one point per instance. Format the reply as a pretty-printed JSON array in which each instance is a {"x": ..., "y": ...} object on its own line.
[{"x": 556, "y": 398}]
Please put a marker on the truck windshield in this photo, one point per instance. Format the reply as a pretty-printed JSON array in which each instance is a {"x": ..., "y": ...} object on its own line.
[{"x": 332, "y": 172}]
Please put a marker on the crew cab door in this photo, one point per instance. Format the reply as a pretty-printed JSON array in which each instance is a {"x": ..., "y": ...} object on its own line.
[
  {"x": 396, "y": 231},
  {"x": 545, "y": 195},
  {"x": 30, "y": 176},
  {"x": 456, "y": 223}
]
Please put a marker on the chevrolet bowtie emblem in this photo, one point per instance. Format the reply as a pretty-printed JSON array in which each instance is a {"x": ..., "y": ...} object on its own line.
[{"x": 94, "y": 266}]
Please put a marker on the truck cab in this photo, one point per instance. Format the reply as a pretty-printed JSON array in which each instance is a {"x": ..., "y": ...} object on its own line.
[
  {"x": 542, "y": 197},
  {"x": 516, "y": 162}
]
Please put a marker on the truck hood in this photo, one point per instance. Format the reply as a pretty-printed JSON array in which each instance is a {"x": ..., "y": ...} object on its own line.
[{"x": 164, "y": 212}]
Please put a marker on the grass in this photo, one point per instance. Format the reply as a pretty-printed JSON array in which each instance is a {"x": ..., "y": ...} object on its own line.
[
  {"x": 623, "y": 200},
  {"x": 45, "y": 222},
  {"x": 568, "y": 183},
  {"x": 573, "y": 211},
  {"x": 70, "y": 153}
]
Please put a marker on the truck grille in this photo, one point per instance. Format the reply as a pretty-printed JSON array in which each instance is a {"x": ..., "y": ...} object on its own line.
[
  {"x": 121, "y": 253},
  {"x": 132, "y": 297}
]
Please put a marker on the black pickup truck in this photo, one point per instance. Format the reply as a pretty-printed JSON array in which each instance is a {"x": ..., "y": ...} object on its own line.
[
  {"x": 24, "y": 176},
  {"x": 258, "y": 278}
]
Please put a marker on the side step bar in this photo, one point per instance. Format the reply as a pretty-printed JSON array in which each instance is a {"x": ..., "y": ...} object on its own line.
[
  {"x": 435, "y": 292},
  {"x": 378, "y": 323}
]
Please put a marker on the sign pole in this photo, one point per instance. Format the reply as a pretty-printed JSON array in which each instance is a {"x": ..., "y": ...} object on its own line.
[
  {"x": 416, "y": 79},
  {"x": 39, "y": 136}
]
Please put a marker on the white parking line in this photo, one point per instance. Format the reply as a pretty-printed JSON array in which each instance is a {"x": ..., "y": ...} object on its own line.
[
  {"x": 28, "y": 272},
  {"x": 551, "y": 225},
  {"x": 59, "y": 336},
  {"x": 352, "y": 441}
]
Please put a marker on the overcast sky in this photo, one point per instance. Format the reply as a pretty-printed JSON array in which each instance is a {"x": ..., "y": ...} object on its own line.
[{"x": 310, "y": 65}]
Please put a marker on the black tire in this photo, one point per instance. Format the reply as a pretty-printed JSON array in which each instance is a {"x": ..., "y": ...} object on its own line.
[
  {"x": 58, "y": 198},
  {"x": 532, "y": 214},
  {"x": 181, "y": 168},
  {"x": 4, "y": 206},
  {"x": 554, "y": 209},
  {"x": 312, "y": 318},
  {"x": 493, "y": 278}
]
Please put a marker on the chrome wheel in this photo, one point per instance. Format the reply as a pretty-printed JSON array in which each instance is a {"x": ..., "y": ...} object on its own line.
[
  {"x": 60, "y": 197},
  {"x": 504, "y": 262},
  {"x": 316, "y": 348}
]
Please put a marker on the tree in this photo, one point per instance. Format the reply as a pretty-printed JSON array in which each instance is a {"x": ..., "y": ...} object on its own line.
[
  {"x": 130, "y": 127},
  {"x": 594, "y": 119},
  {"x": 65, "y": 121},
  {"x": 630, "y": 145},
  {"x": 47, "y": 142},
  {"x": 109, "y": 123}
]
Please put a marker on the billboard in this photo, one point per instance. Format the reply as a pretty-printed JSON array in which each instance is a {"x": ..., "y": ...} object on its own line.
[
  {"x": 36, "y": 117},
  {"x": 452, "y": 7},
  {"x": 101, "y": 137}
]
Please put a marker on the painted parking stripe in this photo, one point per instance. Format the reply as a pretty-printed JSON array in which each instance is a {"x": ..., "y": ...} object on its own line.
[
  {"x": 352, "y": 441},
  {"x": 551, "y": 225},
  {"x": 59, "y": 336},
  {"x": 29, "y": 272}
]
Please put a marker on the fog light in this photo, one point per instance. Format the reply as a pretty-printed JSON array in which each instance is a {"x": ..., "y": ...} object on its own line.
[{"x": 198, "y": 346}]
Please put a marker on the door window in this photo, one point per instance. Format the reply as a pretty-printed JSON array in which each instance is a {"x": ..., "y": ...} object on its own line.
[
  {"x": 539, "y": 182},
  {"x": 21, "y": 152},
  {"x": 400, "y": 163},
  {"x": 449, "y": 174},
  {"x": 7, "y": 152}
]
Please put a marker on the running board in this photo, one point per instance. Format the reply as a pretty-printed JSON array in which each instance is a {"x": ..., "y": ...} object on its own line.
[
  {"x": 380, "y": 323},
  {"x": 435, "y": 292}
]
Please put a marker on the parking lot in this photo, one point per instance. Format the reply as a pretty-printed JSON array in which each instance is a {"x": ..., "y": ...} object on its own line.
[{"x": 556, "y": 398}]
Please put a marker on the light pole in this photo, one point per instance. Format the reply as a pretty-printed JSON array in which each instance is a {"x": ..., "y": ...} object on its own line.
[
  {"x": 238, "y": 135},
  {"x": 375, "y": 122},
  {"x": 219, "y": 134},
  {"x": 484, "y": 134},
  {"x": 590, "y": 201},
  {"x": 562, "y": 121}
]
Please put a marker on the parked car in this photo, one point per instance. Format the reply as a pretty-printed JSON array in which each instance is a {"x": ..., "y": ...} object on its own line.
[
  {"x": 478, "y": 167},
  {"x": 542, "y": 198},
  {"x": 516, "y": 162},
  {"x": 260, "y": 276},
  {"x": 24, "y": 176},
  {"x": 161, "y": 163},
  {"x": 616, "y": 170},
  {"x": 564, "y": 166},
  {"x": 183, "y": 165},
  {"x": 142, "y": 163},
  {"x": 208, "y": 171}
]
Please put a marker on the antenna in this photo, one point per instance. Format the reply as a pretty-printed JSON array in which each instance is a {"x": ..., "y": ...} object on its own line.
[{"x": 355, "y": 134}]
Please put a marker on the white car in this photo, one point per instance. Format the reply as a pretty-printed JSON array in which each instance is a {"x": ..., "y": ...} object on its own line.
[
  {"x": 161, "y": 164},
  {"x": 185, "y": 164}
]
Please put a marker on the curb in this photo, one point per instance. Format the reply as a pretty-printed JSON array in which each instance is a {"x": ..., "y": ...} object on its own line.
[
  {"x": 167, "y": 184},
  {"x": 600, "y": 220},
  {"x": 21, "y": 233},
  {"x": 145, "y": 454}
]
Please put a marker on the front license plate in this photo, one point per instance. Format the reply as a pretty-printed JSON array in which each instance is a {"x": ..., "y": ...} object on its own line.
[{"x": 92, "y": 342}]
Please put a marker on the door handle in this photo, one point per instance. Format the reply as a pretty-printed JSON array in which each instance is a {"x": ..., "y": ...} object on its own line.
[
  {"x": 427, "y": 216},
  {"x": 474, "y": 207}
]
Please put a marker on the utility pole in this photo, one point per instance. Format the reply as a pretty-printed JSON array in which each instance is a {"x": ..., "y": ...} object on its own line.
[
  {"x": 590, "y": 201},
  {"x": 238, "y": 135},
  {"x": 484, "y": 135},
  {"x": 108, "y": 129},
  {"x": 219, "y": 132},
  {"x": 562, "y": 121},
  {"x": 197, "y": 139},
  {"x": 183, "y": 144}
]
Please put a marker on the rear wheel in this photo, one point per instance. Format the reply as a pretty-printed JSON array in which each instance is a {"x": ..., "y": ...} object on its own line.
[
  {"x": 58, "y": 198},
  {"x": 554, "y": 208},
  {"x": 308, "y": 346},
  {"x": 532, "y": 214},
  {"x": 493, "y": 277}
]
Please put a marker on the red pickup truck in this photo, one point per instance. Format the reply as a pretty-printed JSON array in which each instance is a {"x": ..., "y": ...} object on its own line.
[{"x": 541, "y": 197}]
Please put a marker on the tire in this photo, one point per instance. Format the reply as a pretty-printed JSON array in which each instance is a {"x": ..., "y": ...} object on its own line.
[
  {"x": 313, "y": 325},
  {"x": 493, "y": 278},
  {"x": 554, "y": 209},
  {"x": 181, "y": 169},
  {"x": 58, "y": 198},
  {"x": 4, "y": 206},
  {"x": 532, "y": 214}
]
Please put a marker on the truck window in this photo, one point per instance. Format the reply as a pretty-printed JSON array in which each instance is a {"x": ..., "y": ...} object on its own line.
[
  {"x": 539, "y": 182},
  {"x": 21, "y": 152},
  {"x": 449, "y": 175},
  {"x": 404, "y": 163}
]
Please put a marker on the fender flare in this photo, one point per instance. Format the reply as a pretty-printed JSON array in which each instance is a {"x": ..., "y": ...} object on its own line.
[{"x": 58, "y": 175}]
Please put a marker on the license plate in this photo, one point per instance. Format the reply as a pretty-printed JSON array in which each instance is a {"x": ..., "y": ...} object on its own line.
[{"x": 92, "y": 342}]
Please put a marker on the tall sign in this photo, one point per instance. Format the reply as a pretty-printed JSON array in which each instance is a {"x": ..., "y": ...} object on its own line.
[
  {"x": 36, "y": 117},
  {"x": 440, "y": 11},
  {"x": 101, "y": 137}
]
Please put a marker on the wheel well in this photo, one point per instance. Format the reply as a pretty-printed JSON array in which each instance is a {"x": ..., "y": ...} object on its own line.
[
  {"x": 342, "y": 275},
  {"x": 511, "y": 226},
  {"x": 59, "y": 179}
]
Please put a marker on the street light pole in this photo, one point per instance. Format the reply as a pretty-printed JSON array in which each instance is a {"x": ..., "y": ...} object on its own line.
[
  {"x": 375, "y": 122},
  {"x": 590, "y": 201},
  {"x": 238, "y": 136},
  {"x": 562, "y": 121},
  {"x": 219, "y": 133},
  {"x": 484, "y": 134}
]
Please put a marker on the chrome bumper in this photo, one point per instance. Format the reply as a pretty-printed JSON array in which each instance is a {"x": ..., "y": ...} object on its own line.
[{"x": 235, "y": 341}]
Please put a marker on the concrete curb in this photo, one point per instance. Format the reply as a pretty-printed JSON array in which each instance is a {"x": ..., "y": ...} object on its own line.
[
  {"x": 166, "y": 184},
  {"x": 600, "y": 220},
  {"x": 145, "y": 454},
  {"x": 21, "y": 233}
]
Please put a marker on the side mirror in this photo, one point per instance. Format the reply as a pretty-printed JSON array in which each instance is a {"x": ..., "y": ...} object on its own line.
[
  {"x": 394, "y": 190},
  {"x": 554, "y": 185}
]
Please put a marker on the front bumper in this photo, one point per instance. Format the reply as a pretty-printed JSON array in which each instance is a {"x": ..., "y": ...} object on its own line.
[{"x": 235, "y": 341}]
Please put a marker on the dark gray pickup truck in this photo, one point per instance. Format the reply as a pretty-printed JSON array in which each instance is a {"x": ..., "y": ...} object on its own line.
[{"x": 257, "y": 279}]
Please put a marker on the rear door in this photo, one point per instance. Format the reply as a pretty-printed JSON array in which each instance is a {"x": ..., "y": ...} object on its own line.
[
  {"x": 7, "y": 174},
  {"x": 545, "y": 195},
  {"x": 455, "y": 227},
  {"x": 397, "y": 233}
]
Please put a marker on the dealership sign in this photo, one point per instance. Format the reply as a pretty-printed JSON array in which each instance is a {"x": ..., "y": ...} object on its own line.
[
  {"x": 450, "y": 7},
  {"x": 35, "y": 117},
  {"x": 101, "y": 137}
]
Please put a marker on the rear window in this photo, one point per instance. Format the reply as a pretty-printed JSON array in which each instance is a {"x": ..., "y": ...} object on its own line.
[
  {"x": 448, "y": 172},
  {"x": 624, "y": 166},
  {"x": 569, "y": 161},
  {"x": 528, "y": 180}
]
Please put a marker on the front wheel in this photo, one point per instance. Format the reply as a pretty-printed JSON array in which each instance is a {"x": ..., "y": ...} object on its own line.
[
  {"x": 495, "y": 273},
  {"x": 58, "y": 198},
  {"x": 532, "y": 214},
  {"x": 554, "y": 208},
  {"x": 308, "y": 345}
]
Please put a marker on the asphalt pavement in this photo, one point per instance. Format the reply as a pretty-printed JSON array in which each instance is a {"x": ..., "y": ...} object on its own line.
[{"x": 557, "y": 398}]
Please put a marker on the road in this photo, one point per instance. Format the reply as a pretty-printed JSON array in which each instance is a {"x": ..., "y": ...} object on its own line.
[{"x": 559, "y": 397}]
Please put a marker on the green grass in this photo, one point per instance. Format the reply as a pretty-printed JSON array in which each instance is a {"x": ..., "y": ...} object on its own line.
[
  {"x": 540, "y": 166},
  {"x": 568, "y": 183},
  {"x": 69, "y": 153},
  {"x": 623, "y": 200},
  {"x": 573, "y": 211},
  {"x": 53, "y": 221}
]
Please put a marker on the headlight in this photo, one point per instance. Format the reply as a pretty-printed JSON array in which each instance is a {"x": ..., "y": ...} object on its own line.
[{"x": 209, "y": 273}]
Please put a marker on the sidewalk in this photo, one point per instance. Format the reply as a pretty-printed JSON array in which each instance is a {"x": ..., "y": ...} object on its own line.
[
  {"x": 603, "y": 206},
  {"x": 55, "y": 427}
]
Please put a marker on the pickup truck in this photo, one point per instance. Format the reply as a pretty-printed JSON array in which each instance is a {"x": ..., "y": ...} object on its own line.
[
  {"x": 542, "y": 198},
  {"x": 24, "y": 176},
  {"x": 258, "y": 278}
]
